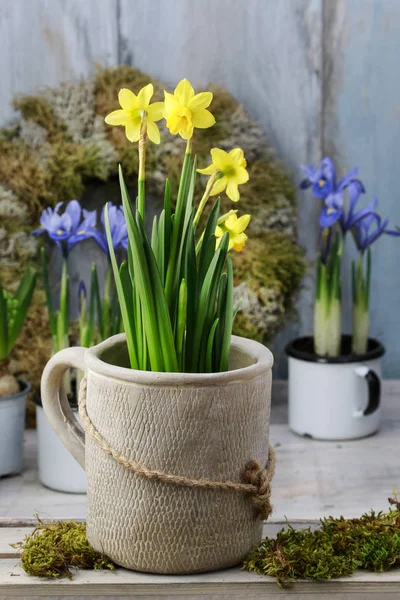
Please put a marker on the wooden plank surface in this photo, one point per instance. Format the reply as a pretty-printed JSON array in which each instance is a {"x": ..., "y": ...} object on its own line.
[
  {"x": 313, "y": 479},
  {"x": 231, "y": 583}
]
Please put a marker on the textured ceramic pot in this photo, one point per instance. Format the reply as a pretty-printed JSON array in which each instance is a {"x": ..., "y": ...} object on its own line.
[
  {"x": 334, "y": 398},
  {"x": 12, "y": 425},
  {"x": 202, "y": 426}
]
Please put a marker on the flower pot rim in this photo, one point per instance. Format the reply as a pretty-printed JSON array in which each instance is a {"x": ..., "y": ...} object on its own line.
[
  {"x": 263, "y": 361},
  {"x": 302, "y": 348},
  {"x": 26, "y": 388}
]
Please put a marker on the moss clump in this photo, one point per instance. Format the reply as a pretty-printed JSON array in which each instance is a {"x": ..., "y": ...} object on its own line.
[
  {"x": 38, "y": 110},
  {"x": 61, "y": 146},
  {"x": 53, "y": 550},
  {"x": 337, "y": 549},
  {"x": 268, "y": 277}
]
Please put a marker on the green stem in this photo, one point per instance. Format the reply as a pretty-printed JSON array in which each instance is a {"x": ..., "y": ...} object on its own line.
[
  {"x": 204, "y": 199},
  {"x": 327, "y": 311},
  {"x": 361, "y": 292},
  {"x": 142, "y": 167},
  {"x": 177, "y": 224},
  {"x": 106, "y": 303}
]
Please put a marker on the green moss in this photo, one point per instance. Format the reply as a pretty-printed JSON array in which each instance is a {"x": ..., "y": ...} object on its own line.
[
  {"x": 268, "y": 182},
  {"x": 337, "y": 549},
  {"x": 21, "y": 172},
  {"x": 38, "y": 109},
  {"x": 271, "y": 265},
  {"x": 54, "y": 550}
]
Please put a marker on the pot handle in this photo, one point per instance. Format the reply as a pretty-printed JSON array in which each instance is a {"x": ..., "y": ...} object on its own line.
[
  {"x": 55, "y": 401},
  {"x": 374, "y": 390}
]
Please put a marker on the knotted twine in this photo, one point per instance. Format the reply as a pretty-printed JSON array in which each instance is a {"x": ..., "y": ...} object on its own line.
[{"x": 257, "y": 480}]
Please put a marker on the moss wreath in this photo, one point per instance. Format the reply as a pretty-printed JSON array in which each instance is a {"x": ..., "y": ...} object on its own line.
[{"x": 60, "y": 144}]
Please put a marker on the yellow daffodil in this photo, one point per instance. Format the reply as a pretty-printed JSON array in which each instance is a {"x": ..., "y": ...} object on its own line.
[
  {"x": 232, "y": 172},
  {"x": 132, "y": 110},
  {"x": 235, "y": 227},
  {"x": 184, "y": 110}
]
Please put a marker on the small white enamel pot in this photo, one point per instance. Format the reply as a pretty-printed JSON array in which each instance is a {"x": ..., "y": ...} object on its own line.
[
  {"x": 12, "y": 425},
  {"x": 58, "y": 469},
  {"x": 334, "y": 398}
]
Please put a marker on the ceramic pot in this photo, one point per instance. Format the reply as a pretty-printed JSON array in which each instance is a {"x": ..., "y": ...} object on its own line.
[
  {"x": 58, "y": 469},
  {"x": 334, "y": 398},
  {"x": 12, "y": 425},
  {"x": 202, "y": 426}
]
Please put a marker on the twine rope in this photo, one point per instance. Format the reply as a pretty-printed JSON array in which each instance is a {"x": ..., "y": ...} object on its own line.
[{"x": 257, "y": 480}]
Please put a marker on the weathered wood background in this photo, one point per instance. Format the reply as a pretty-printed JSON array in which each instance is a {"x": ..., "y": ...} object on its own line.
[{"x": 321, "y": 76}]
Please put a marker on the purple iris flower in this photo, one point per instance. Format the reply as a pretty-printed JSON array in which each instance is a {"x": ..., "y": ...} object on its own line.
[
  {"x": 119, "y": 232},
  {"x": 334, "y": 210},
  {"x": 67, "y": 229},
  {"x": 370, "y": 228},
  {"x": 322, "y": 179}
]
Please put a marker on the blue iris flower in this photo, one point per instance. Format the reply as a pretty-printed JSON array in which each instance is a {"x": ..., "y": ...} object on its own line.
[
  {"x": 370, "y": 228},
  {"x": 322, "y": 179},
  {"x": 68, "y": 228},
  {"x": 334, "y": 209},
  {"x": 119, "y": 232}
]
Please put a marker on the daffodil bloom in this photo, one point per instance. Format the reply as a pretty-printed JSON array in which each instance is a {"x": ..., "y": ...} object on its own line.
[
  {"x": 183, "y": 110},
  {"x": 133, "y": 109},
  {"x": 231, "y": 168},
  {"x": 235, "y": 227}
]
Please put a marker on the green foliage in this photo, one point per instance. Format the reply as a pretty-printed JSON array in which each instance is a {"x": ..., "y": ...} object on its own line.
[
  {"x": 177, "y": 311},
  {"x": 54, "y": 550},
  {"x": 337, "y": 549},
  {"x": 13, "y": 309}
]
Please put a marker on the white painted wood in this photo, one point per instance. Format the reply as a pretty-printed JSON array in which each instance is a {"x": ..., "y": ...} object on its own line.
[
  {"x": 233, "y": 583},
  {"x": 313, "y": 479},
  {"x": 44, "y": 42}
]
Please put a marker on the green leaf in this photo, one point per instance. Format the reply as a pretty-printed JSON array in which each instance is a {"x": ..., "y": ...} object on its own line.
[
  {"x": 368, "y": 279},
  {"x": 95, "y": 292},
  {"x": 142, "y": 282},
  {"x": 208, "y": 244},
  {"x": 181, "y": 324},
  {"x": 154, "y": 236},
  {"x": 207, "y": 299},
  {"x": 227, "y": 316},
  {"x": 46, "y": 285},
  {"x": 24, "y": 296},
  {"x": 190, "y": 276},
  {"x": 125, "y": 307},
  {"x": 161, "y": 308},
  {"x": 177, "y": 230},
  {"x": 209, "y": 352},
  {"x": 161, "y": 246},
  {"x": 3, "y": 325}
]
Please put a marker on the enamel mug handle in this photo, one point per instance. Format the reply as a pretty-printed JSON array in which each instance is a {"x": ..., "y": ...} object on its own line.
[
  {"x": 55, "y": 401},
  {"x": 374, "y": 390}
]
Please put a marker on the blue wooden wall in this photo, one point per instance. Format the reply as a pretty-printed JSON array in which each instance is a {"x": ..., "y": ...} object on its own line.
[{"x": 321, "y": 76}]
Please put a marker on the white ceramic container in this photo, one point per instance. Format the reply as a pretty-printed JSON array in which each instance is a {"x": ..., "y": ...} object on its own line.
[
  {"x": 12, "y": 425},
  {"x": 334, "y": 398},
  {"x": 192, "y": 426},
  {"x": 58, "y": 469}
]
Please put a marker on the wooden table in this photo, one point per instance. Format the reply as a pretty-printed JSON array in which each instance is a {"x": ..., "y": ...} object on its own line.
[
  {"x": 313, "y": 479},
  {"x": 232, "y": 584}
]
